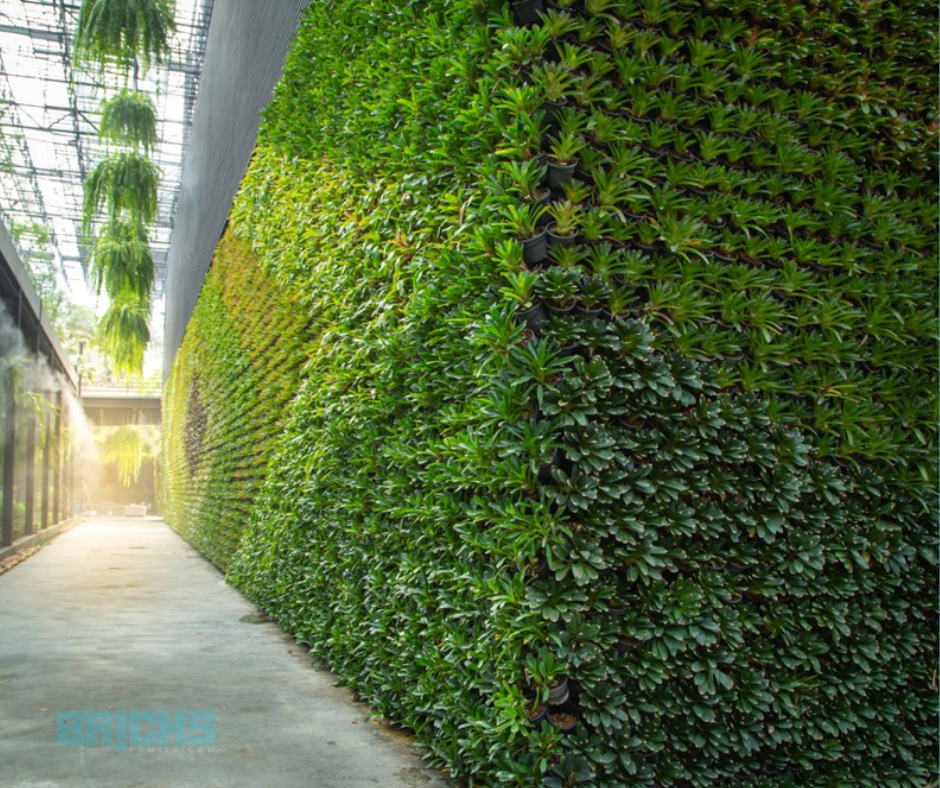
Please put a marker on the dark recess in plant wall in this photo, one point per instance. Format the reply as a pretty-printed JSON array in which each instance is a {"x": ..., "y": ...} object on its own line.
[{"x": 567, "y": 380}]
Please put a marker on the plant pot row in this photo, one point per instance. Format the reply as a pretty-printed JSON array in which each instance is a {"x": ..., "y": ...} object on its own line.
[
  {"x": 537, "y": 316},
  {"x": 775, "y": 228},
  {"x": 784, "y": 78},
  {"x": 528, "y": 12},
  {"x": 564, "y": 716},
  {"x": 720, "y": 250},
  {"x": 535, "y": 249},
  {"x": 806, "y": 198},
  {"x": 559, "y": 708},
  {"x": 772, "y": 202},
  {"x": 705, "y": 103}
]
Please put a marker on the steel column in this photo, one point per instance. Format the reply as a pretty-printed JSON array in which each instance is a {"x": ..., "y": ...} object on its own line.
[
  {"x": 57, "y": 468},
  {"x": 29, "y": 509},
  {"x": 9, "y": 458},
  {"x": 46, "y": 459}
]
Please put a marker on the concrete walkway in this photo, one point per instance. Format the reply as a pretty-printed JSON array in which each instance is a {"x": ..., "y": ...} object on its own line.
[{"x": 122, "y": 615}]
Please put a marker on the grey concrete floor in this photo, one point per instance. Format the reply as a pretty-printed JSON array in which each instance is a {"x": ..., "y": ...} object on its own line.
[{"x": 123, "y": 615}]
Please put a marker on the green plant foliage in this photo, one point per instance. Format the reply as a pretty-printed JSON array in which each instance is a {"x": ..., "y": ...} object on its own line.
[
  {"x": 123, "y": 335},
  {"x": 236, "y": 372},
  {"x": 700, "y": 485},
  {"x": 122, "y": 261},
  {"x": 121, "y": 32},
  {"x": 126, "y": 447},
  {"x": 122, "y": 185},
  {"x": 129, "y": 118},
  {"x": 34, "y": 246}
]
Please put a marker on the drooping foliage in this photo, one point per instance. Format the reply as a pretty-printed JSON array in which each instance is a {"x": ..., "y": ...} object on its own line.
[
  {"x": 129, "y": 118},
  {"x": 123, "y": 188},
  {"x": 126, "y": 36},
  {"x": 123, "y": 333},
  {"x": 126, "y": 447},
  {"x": 679, "y": 461},
  {"x": 122, "y": 185},
  {"x": 122, "y": 32},
  {"x": 122, "y": 261}
]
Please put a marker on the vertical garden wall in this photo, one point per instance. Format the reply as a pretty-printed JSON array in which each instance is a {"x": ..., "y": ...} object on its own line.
[
  {"x": 647, "y": 500},
  {"x": 234, "y": 377}
]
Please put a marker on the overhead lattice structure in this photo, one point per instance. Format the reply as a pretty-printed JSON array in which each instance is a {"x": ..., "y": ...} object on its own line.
[{"x": 49, "y": 115}]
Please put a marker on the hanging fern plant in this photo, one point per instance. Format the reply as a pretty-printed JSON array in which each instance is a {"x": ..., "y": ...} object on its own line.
[
  {"x": 126, "y": 448},
  {"x": 123, "y": 334},
  {"x": 122, "y": 189},
  {"x": 122, "y": 261},
  {"x": 124, "y": 32},
  {"x": 123, "y": 183},
  {"x": 129, "y": 118}
]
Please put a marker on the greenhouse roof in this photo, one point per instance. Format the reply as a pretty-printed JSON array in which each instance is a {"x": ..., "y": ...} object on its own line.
[{"x": 49, "y": 114}]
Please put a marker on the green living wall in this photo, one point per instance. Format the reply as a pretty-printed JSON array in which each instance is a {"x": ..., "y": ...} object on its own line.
[
  {"x": 679, "y": 465},
  {"x": 234, "y": 376}
]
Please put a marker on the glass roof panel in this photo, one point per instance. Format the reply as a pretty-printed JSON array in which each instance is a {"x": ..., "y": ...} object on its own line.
[{"x": 49, "y": 115}]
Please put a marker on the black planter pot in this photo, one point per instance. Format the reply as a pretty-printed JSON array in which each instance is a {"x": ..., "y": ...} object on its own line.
[
  {"x": 560, "y": 174},
  {"x": 558, "y": 694},
  {"x": 535, "y": 249},
  {"x": 551, "y": 53},
  {"x": 627, "y": 423},
  {"x": 575, "y": 8},
  {"x": 625, "y": 646},
  {"x": 545, "y": 219},
  {"x": 541, "y": 196},
  {"x": 543, "y": 571},
  {"x": 527, "y": 11},
  {"x": 669, "y": 575},
  {"x": 558, "y": 458},
  {"x": 586, "y": 352},
  {"x": 534, "y": 317},
  {"x": 545, "y": 469},
  {"x": 561, "y": 311},
  {"x": 537, "y": 715},
  {"x": 552, "y": 108},
  {"x": 589, "y": 313},
  {"x": 554, "y": 239},
  {"x": 564, "y": 716},
  {"x": 584, "y": 176}
]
